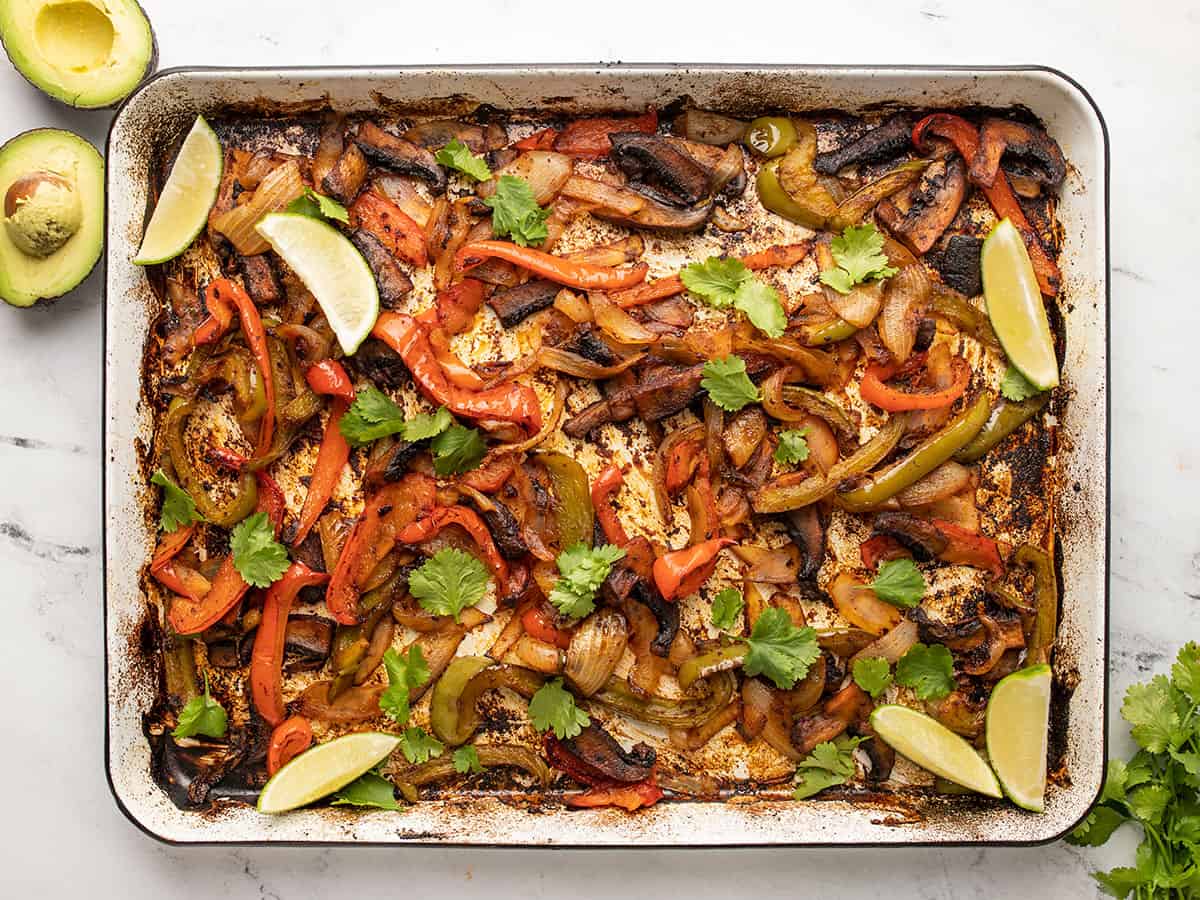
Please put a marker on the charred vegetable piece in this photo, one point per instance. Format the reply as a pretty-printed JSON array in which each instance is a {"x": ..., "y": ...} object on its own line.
[
  {"x": 393, "y": 283},
  {"x": 920, "y": 215},
  {"x": 399, "y": 155},
  {"x": 513, "y": 305},
  {"x": 1006, "y": 417},
  {"x": 887, "y": 141},
  {"x": 1004, "y": 138},
  {"x": 958, "y": 264},
  {"x": 346, "y": 178},
  {"x": 642, "y": 156},
  {"x": 770, "y": 135}
]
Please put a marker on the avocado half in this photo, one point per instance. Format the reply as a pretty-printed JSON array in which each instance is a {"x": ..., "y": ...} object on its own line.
[
  {"x": 87, "y": 53},
  {"x": 51, "y": 214}
]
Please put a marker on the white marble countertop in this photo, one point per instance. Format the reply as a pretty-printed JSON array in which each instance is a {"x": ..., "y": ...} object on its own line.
[{"x": 61, "y": 832}]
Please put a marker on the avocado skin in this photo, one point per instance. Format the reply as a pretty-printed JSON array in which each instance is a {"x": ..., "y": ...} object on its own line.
[
  {"x": 93, "y": 258},
  {"x": 151, "y": 68}
]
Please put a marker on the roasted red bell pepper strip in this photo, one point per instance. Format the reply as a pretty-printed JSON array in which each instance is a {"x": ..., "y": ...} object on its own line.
[
  {"x": 681, "y": 572},
  {"x": 441, "y": 516},
  {"x": 585, "y": 276},
  {"x": 628, "y": 797},
  {"x": 394, "y": 228},
  {"x": 221, "y": 297},
  {"x": 182, "y": 580},
  {"x": 510, "y": 402},
  {"x": 877, "y": 393},
  {"x": 606, "y": 484},
  {"x": 538, "y": 622},
  {"x": 266, "y": 661},
  {"x": 965, "y": 138},
  {"x": 329, "y": 377},
  {"x": 331, "y": 459},
  {"x": 881, "y": 548},
  {"x": 589, "y": 137},
  {"x": 289, "y": 739},
  {"x": 454, "y": 308},
  {"x": 539, "y": 140},
  {"x": 457, "y": 372},
  {"x": 968, "y": 548},
  {"x": 391, "y": 508},
  {"x": 491, "y": 476},
  {"x": 682, "y": 465}
]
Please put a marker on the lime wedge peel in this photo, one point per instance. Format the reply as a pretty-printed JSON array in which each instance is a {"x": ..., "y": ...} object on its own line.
[
  {"x": 325, "y": 768},
  {"x": 186, "y": 199},
  {"x": 1015, "y": 306},
  {"x": 1018, "y": 717},
  {"x": 934, "y": 747},
  {"x": 330, "y": 267}
]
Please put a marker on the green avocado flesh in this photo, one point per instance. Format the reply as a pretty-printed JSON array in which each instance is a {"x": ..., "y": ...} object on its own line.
[
  {"x": 86, "y": 53},
  {"x": 51, "y": 214}
]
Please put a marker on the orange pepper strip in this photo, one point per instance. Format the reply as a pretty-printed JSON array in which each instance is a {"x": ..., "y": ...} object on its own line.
[
  {"x": 288, "y": 740},
  {"x": 539, "y": 140},
  {"x": 784, "y": 255},
  {"x": 538, "y": 622},
  {"x": 454, "y": 308},
  {"x": 681, "y": 572},
  {"x": 562, "y": 271},
  {"x": 589, "y": 137},
  {"x": 441, "y": 516},
  {"x": 968, "y": 548},
  {"x": 607, "y": 483},
  {"x": 491, "y": 476},
  {"x": 331, "y": 459},
  {"x": 965, "y": 138},
  {"x": 458, "y": 373},
  {"x": 511, "y": 402},
  {"x": 682, "y": 465},
  {"x": 221, "y": 296},
  {"x": 182, "y": 580},
  {"x": 627, "y": 797},
  {"x": 394, "y": 228},
  {"x": 266, "y": 660},
  {"x": 875, "y": 392},
  {"x": 328, "y": 377}
]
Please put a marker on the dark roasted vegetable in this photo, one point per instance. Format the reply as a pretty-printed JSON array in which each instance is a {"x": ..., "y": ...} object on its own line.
[
  {"x": 346, "y": 178},
  {"x": 400, "y": 156},
  {"x": 920, "y": 215},
  {"x": 393, "y": 283},
  {"x": 514, "y": 304}
]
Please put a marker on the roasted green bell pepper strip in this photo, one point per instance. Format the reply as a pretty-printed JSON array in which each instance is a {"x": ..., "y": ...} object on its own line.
[
  {"x": 854, "y": 208},
  {"x": 350, "y": 642},
  {"x": 962, "y": 315},
  {"x": 928, "y": 455},
  {"x": 827, "y": 333},
  {"x": 452, "y": 713},
  {"x": 179, "y": 668},
  {"x": 574, "y": 513},
  {"x": 225, "y": 515},
  {"x": 1045, "y": 587},
  {"x": 770, "y": 135},
  {"x": 1006, "y": 417},
  {"x": 686, "y": 712},
  {"x": 720, "y": 660},
  {"x": 772, "y": 195}
]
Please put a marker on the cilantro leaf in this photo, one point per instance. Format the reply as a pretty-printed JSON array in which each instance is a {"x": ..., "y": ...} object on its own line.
[
  {"x": 928, "y": 670},
  {"x": 449, "y": 582},
  {"x": 1186, "y": 671},
  {"x": 405, "y": 674},
  {"x": 178, "y": 507},
  {"x": 371, "y": 416},
  {"x": 318, "y": 206},
  {"x": 1149, "y": 709},
  {"x": 1114, "y": 782},
  {"x": 582, "y": 569},
  {"x": 458, "y": 156},
  {"x": 515, "y": 212},
  {"x": 715, "y": 280},
  {"x": 780, "y": 650},
  {"x": 1120, "y": 881},
  {"x": 553, "y": 707},
  {"x": 457, "y": 449},
  {"x": 899, "y": 583},
  {"x": 872, "y": 674},
  {"x": 1015, "y": 386},
  {"x": 371, "y": 789},
  {"x": 258, "y": 557},
  {"x": 793, "y": 448},
  {"x": 419, "y": 747},
  {"x": 828, "y": 765},
  {"x": 466, "y": 759},
  {"x": 859, "y": 255},
  {"x": 1149, "y": 802},
  {"x": 1097, "y": 828},
  {"x": 721, "y": 282},
  {"x": 423, "y": 426},
  {"x": 727, "y": 383},
  {"x": 726, "y": 607},
  {"x": 201, "y": 715}
]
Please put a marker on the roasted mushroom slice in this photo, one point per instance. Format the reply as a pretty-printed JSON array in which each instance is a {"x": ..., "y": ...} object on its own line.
[
  {"x": 393, "y": 283},
  {"x": 958, "y": 264},
  {"x": 438, "y": 133},
  {"x": 887, "y": 141},
  {"x": 920, "y": 215},
  {"x": 345, "y": 179},
  {"x": 515, "y": 304},
  {"x": 653, "y": 158},
  {"x": 998, "y": 138},
  {"x": 400, "y": 156}
]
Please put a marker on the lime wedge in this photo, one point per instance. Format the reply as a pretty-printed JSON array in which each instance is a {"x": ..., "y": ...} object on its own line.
[
  {"x": 933, "y": 746},
  {"x": 1014, "y": 305},
  {"x": 331, "y": 268},
  {"x": 1018, "y": 717},
  {"x": 187, "y": 197},
  {"x": 325, "y": 768}
]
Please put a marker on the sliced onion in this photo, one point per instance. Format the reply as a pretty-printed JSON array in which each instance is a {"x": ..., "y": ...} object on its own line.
[
  {"x": 277, "y": 190},
  {"x": 817, "y": 365},
  {"x": 858, "y": 605},
  {"x": 573, "y": 364},
  {"x": 356, "y": 704},
  {"x": 904, "y": 301},
  {"x": 596, "y": 647},
  {"x": 403, "y": 192},
  {"x": 709, "y": 127},
  {"x": 769, "y": 566},
  {"x": 329, "y": 150},
  {"x": 538, "y": 655},
  {"x": 613, "y": 199},
  {"x": 545, "y": 172},
  {"x": 893, "y": 645},
  {"x": 573, "y": 306},
  {"x": 714, "y": 437},
  {"x": 549, "y": 423},
  {"x": 316, "y": 346},
  {"x": 756, "y": 705},
  {"x": 946, "y": 480},
  {"x": 333, "y": 529},
  {"x": 490, "y": 756},
  {"x": 618, "y": 324},
  {"x": 724, "y": 220},
  {"x": 860, "y": 306},
  {"x": 743, "y": 433},
  {"x": 696, "y": 737},
  {"x": 618, "y": 253}
]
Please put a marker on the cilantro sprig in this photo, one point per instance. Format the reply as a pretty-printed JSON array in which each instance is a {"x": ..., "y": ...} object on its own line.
[
  {"x": 1015, "y": 386},
  {"x": 899, "y": 583},
  {"x": 793, "y": 448},
  {"x": 553, "y": 708},
  {"x": 458, "y": 156},
  {"x": 1158, "y": 789},
  {"x": 369, "y": 790},
  {"x": 582, "y": 569},
  {"x": 872, "y": 674},
  {"x": 405, "y": 674},
  {"x": 727, "y": 605},
  {"x": 178, "y": 507},
  {"x": 831, "y": 763},
  {"x": 318, "y": 206},
  {"x": 449, "y": 582},
  {"x": 457, "y": 449},
  {"x": 418, "y": 746},
  {"x": 202, "y": 715},
  {"x": 928, "y": 670},
  {"x": 859, "y": 255},
  {"x": 515, "y": 212},
  {"x": 727, "y": 383},
  {"x": 779, "y": 650},
  {"x": 373, "y": 415},
  {"x": 721, "y": 282},
  {"x": 259, "y": 558},
  {"x": 466, "y": 760}
]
